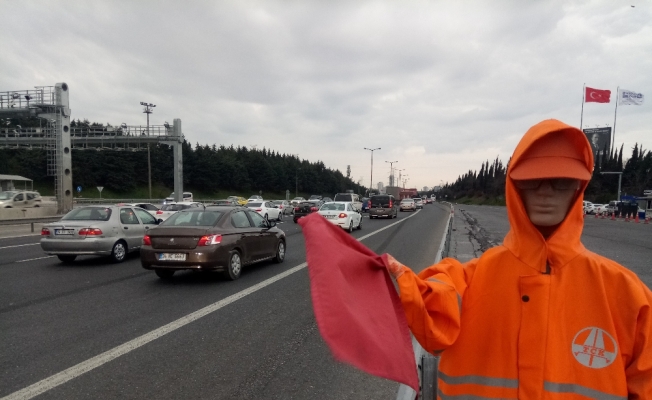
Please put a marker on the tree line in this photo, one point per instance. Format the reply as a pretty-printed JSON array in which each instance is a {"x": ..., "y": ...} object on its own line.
[
  {"x": 206, "y": 168},
  {"x": 488, "y": 185}
]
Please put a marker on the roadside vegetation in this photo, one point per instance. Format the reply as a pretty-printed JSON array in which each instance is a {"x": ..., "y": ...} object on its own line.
[{"x": 488, "y": 185}]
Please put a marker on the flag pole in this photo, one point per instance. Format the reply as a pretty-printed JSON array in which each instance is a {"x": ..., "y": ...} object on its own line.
[
  {"x": 582, "y": 115},
  {"x": 613, "y": 137}
]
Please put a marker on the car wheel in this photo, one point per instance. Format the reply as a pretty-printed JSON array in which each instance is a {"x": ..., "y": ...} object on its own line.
[
  {"x": 360, "y": 223},
  {"x": 295, "y": 220},
  {"x": 164, "y": 273},
  {"x": 234, "y": 267},
  {"x": 119, "y": 251},
  {"x": 67, "y": 258},
  {"x": 280, "y": 252},
  {"x": 280, "y": 217},
  {"x": 350, "y": 226}
]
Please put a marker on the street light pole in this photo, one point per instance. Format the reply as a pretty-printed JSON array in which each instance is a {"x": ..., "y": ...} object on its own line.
[
  {"x": 391, "y": 172},
  {"x": 148, "y": 110},
  {"x": 371, "y": 180}
]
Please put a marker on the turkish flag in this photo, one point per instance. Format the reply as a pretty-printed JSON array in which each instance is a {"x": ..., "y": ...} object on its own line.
[
  {"x": 357, "y": 307},
  {"x": 597, "y": 95}
]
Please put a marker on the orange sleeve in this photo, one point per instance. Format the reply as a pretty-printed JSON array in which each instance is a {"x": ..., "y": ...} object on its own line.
[
  {"x": 639, "y": 369},
  {"x": 432, "y": 301}
]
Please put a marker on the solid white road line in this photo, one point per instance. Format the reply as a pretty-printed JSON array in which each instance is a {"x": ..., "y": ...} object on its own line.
[
  {"x": 32, "y": 259},
  {"x": 19, "y": 245},
  {"x": 92, "y": 363}
]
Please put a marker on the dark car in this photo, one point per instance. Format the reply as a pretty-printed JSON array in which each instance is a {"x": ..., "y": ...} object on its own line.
[
  {"x": 305, "y": 208},
  {"x": 218, "y": 238},
  {"x": 383, "y": 205}
]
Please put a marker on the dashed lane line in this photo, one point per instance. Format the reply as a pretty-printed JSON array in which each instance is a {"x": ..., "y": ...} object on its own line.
[{"x": 92, "y": 363}]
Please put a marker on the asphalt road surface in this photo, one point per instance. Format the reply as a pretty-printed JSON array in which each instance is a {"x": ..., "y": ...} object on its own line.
[
  {"x": 628, "y": 243},
  {"x": 99, "y": 330}
]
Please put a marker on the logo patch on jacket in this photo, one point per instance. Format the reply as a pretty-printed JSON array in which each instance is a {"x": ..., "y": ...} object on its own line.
[{"x": 594, "y": 347}]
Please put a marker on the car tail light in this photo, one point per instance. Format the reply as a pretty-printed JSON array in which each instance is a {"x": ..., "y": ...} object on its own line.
[
  {"x": 313, "y": 209},
  {"x": 90, "y": 232},
  {"x": 147, "y": 241},
  {"x": 390, "y": 203},
  {"x": 159, "y": 212},
  {"x": 342, "y": 215},
  {"x": 45, "y": 232},
  {"x": 208, "y": 240},
  {"x": 259, "y": 209}
]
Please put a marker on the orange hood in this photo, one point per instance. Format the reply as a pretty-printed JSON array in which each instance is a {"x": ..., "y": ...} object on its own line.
[{"x": 524, "y": 240}]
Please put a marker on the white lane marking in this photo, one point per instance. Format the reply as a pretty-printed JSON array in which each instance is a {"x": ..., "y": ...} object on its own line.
[
  {"x": 92, "y": 363},
  {"x": 19, "y": 245},
  {"x": 32, "y": 259}
]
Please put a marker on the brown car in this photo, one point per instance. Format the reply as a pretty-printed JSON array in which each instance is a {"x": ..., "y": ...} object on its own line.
[{"x": 215, "y": 238}]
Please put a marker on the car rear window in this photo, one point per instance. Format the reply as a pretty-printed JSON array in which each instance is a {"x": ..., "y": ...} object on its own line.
[
  {"x": 88, "y": 214},
  {"x": 343, "y": 197},
  {"x": 193, "y": 218},
  {"x": 380, "y": 201},
  {"x": 254, "y": 204},
  {"x": 407, "y": 201}
]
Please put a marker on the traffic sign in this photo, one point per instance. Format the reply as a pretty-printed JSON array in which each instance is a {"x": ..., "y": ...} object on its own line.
[{"x": 78, "y": 189}]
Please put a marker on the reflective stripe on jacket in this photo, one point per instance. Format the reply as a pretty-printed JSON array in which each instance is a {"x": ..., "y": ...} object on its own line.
[{"x": 534, "y": 318}]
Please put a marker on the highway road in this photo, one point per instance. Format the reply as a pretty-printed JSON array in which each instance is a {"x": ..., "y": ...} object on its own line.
[
  {"x": 103, "y": 331},
  {"x": 258, "y": 337}
]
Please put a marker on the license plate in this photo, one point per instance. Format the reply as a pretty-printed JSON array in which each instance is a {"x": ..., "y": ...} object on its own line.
[
  {"x": 330, "y": 216},
  {"x": 64, "y": 231},
  {"x": 172, "y": 256}
]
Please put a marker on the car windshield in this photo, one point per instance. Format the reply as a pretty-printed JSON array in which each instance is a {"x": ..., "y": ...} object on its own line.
[
  {"x": 258, "y": 204},
  {"x": 333, "y": 207},
  {"x": 173, "y": 207},
  {"x": 7, "y": 195},
  {"x": 194, "y": 218},
  {"x": 88, "y": 214}
]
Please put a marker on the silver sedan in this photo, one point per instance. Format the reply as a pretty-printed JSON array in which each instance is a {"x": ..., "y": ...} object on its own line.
[{"x": 97, "y": 230}]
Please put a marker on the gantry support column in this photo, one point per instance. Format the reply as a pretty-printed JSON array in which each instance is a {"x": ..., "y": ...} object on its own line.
[{"x": 177, "y": 149}]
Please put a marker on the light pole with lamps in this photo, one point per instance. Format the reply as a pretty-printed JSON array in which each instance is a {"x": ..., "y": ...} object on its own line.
[
  {"x": 371, "y": 180},
  {"x": 391, "y": 172},
  {"x": 399, "y": 173},
  {"x": 148, "y": 110},
  {"x": 405, "y": 180}
]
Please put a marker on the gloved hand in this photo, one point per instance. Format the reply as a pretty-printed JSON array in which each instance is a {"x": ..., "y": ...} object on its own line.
[{"x": 394, "y": 267}]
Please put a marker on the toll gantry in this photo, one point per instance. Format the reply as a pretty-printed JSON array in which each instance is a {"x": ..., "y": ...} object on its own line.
[{"x": 51, "y": 105}]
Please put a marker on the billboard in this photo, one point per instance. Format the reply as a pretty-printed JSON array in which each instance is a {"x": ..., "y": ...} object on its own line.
[{"x": 600, "y": 139}]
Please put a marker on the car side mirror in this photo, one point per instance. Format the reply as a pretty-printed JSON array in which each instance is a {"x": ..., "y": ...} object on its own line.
[{"x": 270, "y": 224}]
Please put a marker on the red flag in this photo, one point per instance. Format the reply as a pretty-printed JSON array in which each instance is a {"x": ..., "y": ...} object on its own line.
[
  {"x": 357, "y": 308},
  {"x": 597, "y": 95}
]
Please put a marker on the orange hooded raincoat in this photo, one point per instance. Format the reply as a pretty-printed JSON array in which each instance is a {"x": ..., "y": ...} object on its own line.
[{"x": 535, "y": 318}]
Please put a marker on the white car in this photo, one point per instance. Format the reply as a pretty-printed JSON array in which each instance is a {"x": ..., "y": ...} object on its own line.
[
  {"x": 267, "y": 209},
  {"x": 149, "y": 207},
  {"x": 343, "y": 214},
  {"x": 187, "y": 196},
  {"x": 171, "y": 208},
  {"x": 255, "y": 198},
  {"x": 20, "y": 198},
  {"x": 599, "y": 208},
  {"x": 588, "y": 207}
]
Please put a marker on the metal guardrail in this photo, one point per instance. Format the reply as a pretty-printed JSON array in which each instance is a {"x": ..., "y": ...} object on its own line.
[
  {"x": 30, "y": 221},
  {"x": 427, "y": 364}
]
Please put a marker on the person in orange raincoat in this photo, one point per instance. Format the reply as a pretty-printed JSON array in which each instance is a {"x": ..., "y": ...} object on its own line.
[{"x": 539, "y": 317}]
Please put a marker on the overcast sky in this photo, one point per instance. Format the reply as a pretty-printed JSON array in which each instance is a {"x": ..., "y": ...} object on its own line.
[{"x": 439, "y": 86}]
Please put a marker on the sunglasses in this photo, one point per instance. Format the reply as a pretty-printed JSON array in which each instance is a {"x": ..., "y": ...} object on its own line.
[{"x": 556, "y": 183}]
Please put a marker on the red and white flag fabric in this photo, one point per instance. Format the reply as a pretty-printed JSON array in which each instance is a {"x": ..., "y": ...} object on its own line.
[
  {"x": 597, "y": 95},
  {"x": 627, "y": 97},
  {"x": 357, "y": 307}
]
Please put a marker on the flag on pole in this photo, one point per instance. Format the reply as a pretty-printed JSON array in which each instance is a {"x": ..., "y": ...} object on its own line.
[
  {"x": 627, "y": 97},
  {"x": 597, "y": 95}
]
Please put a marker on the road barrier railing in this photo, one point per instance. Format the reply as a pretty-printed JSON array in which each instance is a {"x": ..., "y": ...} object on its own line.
[{"x": 428, "y": 364}]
